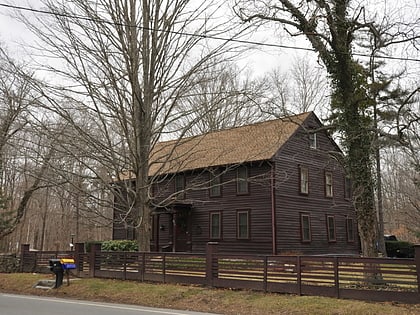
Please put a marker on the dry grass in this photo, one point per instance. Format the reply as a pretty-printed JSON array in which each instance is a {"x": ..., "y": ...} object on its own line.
[{"x": 195, "y": 298}]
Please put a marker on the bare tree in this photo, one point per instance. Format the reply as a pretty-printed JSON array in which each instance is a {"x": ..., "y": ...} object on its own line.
[
  {"x": 222, "y": 97},
  {"x": 334, "y": 29},
  {"x": 300, "y": 89},
  {"x": 392, "y": 104},
  {"x": 310, "y": 89},
  {"x": 21, "y": 171},
  {"x": 126, "y": 64},
  {"x": 401, "y": 164}
]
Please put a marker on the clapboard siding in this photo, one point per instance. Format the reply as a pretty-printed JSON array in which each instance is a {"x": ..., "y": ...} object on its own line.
[
  {"x": 288, "y": 202},
  {"x": 257, "y": 202}
]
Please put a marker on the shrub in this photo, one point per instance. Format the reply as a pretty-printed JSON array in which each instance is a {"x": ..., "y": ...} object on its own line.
[
  {"x": 120, "y": 246},
  {"x": 399, "y": 249}
]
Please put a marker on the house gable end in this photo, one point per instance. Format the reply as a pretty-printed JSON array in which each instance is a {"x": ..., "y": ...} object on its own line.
[{"x": 312, "y": 125}]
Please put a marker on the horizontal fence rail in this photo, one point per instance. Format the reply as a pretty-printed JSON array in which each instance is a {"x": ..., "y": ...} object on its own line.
[
  {"x": 374, "y": 279},
  {"x": 160, "y": 267},
  {"x": 37, "y": 261}
]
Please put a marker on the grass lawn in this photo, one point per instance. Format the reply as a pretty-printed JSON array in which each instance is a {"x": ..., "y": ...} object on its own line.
[{"x": 220, "y": 301}]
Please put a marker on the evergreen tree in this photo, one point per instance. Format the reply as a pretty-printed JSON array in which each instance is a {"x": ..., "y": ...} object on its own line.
[{"x": 6, "y": 217}]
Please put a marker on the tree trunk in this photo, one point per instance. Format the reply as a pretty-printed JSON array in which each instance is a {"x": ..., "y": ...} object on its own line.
[{"x": 351, "y": 97}]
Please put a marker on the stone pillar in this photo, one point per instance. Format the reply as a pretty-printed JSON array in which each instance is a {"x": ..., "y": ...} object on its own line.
[
  {"x": 78, "y": 255},
  {"x": 24, "y": 250},
  {"x": 93, "y": 264}
]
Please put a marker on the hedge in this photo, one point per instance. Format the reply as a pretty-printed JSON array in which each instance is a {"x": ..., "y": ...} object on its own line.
[{"x": 120, "y": 246}]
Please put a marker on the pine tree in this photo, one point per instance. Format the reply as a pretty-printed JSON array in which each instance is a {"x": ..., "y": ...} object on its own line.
[{"x": 6, "y": 216}]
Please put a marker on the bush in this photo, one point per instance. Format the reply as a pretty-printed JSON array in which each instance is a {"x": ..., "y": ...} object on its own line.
[
  {"x": 120, "y": 246},
  {"x": 399, "y": 249},
  {"x": 9, "y": 263}
]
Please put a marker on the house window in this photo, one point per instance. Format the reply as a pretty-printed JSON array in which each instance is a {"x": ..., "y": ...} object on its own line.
[
  {"x": 215, "y": 225},
  {"x": 350, "y": 229},
  {"x": 154, "y": 219},
  {"x": 305, "y": 227},
  {"x": 180, "y": 186},
  {"x": 304, "y": 180},
  {"x": 312, "y": 140},
  {"x": 215, "y": 188},
  {"x": 242, "y": 225},
  {"x": 242, "y": 180},
  {"x": 331, "y": 228},
  {"x": 347, "y": 188},
  {"x": 328, "y": 184}
]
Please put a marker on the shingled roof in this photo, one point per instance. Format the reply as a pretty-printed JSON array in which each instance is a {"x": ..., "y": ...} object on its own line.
[{"x": 256, "y": 142}]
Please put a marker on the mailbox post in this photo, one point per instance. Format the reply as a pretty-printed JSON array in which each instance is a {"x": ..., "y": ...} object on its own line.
[{"x": 58, "y": 267}]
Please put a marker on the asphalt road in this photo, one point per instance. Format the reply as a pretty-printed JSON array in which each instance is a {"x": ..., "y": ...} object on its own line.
[{"x": 11, "y": 304}]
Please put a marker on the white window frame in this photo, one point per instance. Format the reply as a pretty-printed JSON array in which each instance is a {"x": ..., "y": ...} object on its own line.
[
  {"x": 212, "y": 235},
  {"x": 238, "y": 225},
  {"x": 329, "y": 187},
  {"x": 331, "y": 229},
  {"x": 242, "y": 185},
  {"x": 312, "y": 141},
  {"x": 303, "y": 180},
  {"x": 305, "y": 239},
  {"x": 350, "y": 229},
  {"x": 215, "y": 180}
]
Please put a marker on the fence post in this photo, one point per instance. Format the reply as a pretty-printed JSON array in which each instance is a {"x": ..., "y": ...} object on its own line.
[
  {"x": 417, "y": 262},
  {"x": 211, "y": 262},
  {"x": 79, "y": 249},
  {"x": 265, "y": 276},
  {"x": 24, "y": 250},
  {"x": 125, "y": 266},
  {"x": 94, "y": 248},
  {"x": 142, "y": 266},
  {"x": 164, "y": 267},
  {"x": 299, "y": 274},
  {"x": 336, "y": 278}
]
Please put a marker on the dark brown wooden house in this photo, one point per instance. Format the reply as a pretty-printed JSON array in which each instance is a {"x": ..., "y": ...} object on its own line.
[{"x": 274, "y": 187}]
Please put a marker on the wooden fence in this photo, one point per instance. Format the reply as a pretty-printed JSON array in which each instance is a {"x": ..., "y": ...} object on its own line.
[{"x": 373, "y": 279}]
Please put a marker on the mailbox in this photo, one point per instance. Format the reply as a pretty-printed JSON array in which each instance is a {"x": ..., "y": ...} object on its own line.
[
  {"x": 68, "y": 263},
  {"x": 59, "y": 266}
]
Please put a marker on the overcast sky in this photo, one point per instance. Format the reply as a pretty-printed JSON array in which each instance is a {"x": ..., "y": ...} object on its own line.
[{"x": 260, "y": 60}]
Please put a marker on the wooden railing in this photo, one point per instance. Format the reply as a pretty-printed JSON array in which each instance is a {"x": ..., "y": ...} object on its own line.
[{"x": 374, "y": 279}]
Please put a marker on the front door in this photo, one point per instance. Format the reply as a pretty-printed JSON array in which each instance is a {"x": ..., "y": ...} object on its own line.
[{"x": 183, "y": 230}]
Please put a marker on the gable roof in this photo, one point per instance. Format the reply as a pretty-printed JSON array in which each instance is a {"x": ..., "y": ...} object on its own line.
[{"x": 256, "y": 142}]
